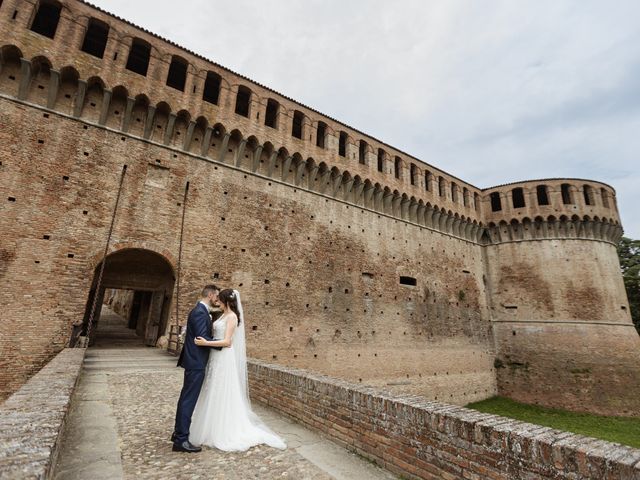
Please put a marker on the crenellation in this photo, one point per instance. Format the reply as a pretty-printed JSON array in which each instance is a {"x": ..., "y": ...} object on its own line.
[{"x": 123, "y": 76}]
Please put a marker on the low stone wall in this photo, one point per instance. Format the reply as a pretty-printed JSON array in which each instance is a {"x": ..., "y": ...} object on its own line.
[
  {"x": 418, "y": 439},
  {"x": 32, "y": 419}
]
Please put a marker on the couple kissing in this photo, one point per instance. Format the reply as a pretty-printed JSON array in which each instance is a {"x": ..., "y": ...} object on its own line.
[{"x": 214, "y": 408}]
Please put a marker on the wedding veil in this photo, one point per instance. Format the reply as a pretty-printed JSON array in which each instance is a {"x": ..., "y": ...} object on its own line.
[{"x": 240, "y": 350}]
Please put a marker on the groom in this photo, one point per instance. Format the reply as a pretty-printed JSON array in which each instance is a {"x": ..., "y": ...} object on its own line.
[{"x": 194, "y": 361}]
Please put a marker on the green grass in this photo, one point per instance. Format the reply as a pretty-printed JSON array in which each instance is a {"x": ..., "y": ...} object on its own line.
[{"x": 614, "y": 429}]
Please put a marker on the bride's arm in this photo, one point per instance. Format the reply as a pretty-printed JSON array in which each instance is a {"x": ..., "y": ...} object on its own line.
[{"x": 232, "y": 322}]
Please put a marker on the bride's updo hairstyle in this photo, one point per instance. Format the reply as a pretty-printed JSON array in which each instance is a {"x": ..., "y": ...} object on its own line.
[{"x": 230, "y": 299}]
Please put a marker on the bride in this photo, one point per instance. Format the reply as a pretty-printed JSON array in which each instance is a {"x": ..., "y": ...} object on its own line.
[{"x": 223, "y": 417}]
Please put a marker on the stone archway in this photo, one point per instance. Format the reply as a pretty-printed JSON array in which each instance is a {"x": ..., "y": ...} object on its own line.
[{"x": 149, "y": 279}]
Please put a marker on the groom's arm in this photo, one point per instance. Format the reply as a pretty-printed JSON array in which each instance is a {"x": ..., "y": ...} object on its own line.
[
  {"x": 201, "y": 323},
  {"x": 202, "y": 328}
]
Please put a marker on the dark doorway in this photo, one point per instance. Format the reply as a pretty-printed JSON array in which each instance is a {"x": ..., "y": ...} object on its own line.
[{"x": 137, "y": 288}]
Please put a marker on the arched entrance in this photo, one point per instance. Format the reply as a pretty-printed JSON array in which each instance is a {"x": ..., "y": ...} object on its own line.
[{"x": 142, "y": 281}]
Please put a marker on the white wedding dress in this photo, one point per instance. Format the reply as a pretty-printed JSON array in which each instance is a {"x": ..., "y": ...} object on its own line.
[{"x": 223, "y": 417}]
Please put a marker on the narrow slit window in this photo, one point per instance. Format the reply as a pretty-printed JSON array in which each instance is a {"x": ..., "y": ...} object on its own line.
[
  {"x": 243, "y": 100},
  {"x": 441, "y": 187},
  {"x": 139, "y": 55},
  {"x": 211, "y": 91},
  {"x": 45, "y": 21},
  {"x": 271, "y": 115},
  {"x": 427, "y": 181},
  {"x": 95, "y": 39},
  {"x": 296, "y": 127},
  {"x": 605, "y": 198}
]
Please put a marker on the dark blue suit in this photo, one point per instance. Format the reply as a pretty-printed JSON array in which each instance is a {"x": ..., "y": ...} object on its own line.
[{"x": 194, "y": 361}]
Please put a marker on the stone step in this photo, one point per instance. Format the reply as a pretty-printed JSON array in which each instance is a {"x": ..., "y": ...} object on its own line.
[
  {"x": 132, "y": 353},
  {"x": 129, "y": 361},
  {"x": 123, "y": 367}
]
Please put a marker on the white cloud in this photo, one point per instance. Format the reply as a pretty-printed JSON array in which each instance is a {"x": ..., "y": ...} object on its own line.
[{"x": 491, "y": 92}]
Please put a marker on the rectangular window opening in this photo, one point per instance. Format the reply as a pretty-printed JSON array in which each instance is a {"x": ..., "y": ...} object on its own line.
[
  {"x": 177, "y": 75},
  {"x": 496, "y": 202},
  {"x": 321, "y": 134},
  {"x": 211, "y": 90},
  {"x": 588, "y": 197},
  {"x": 566, "y": 194},
  {"x": 46, "y": 19},
  {"x": 296, "y": 128},
  {"x": 410, "y": 281},
  {"x": 517, "y": 195},
  {"x": 362, "y": 153},
  {"x": 271, "y": 115},
  {"x": 243, "y": 100},
  {"x": 95, "y": 39},
  {"x": 342, "y": 144},
  {"x": 138, "y": 60},
  {"x": 605, "y": 197},
  {"x": 543, "y": 196}
]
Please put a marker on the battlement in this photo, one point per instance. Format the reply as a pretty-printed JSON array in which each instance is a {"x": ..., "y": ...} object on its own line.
[
  {"x": 552, "y": 208},
  {"x": 152, "y": 73}
]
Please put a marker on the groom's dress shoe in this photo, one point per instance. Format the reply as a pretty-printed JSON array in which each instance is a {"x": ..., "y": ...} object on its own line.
[{"x": 185, "y": 446}]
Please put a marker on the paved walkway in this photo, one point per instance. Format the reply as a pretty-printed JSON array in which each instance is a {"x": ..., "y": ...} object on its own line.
[{"x": 122, "y": 416}]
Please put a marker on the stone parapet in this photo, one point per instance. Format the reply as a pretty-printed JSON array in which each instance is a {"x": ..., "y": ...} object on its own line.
[
  {"x": 418, "y": 439},
  {"x": 551, "y": 200},
  {"x": 32, "y": 419}
]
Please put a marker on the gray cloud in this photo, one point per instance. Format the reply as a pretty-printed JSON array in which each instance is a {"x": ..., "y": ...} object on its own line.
[{"x": 492, "y": 92}]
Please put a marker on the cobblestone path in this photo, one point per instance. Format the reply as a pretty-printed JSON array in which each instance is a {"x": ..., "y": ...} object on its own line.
[{"x": 122, "y": 416}]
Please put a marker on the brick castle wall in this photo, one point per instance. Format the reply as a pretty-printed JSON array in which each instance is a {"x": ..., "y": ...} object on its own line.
[
  {"x": 562, "y": 330},
  {"x": 319, "y": 275}
]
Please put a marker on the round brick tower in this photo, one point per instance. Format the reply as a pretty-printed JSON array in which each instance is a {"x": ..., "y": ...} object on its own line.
[{"x": 562, "y": 327}]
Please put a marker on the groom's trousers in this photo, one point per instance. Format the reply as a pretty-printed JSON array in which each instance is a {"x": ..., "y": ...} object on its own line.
[{"x": 187, "y": 402}]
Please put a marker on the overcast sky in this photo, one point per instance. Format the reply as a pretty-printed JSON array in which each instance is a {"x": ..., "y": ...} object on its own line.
[{"x": 490, "y": 91}]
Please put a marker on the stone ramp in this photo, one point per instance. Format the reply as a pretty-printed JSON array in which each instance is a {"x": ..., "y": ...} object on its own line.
[{"x": 122, "y": 416}]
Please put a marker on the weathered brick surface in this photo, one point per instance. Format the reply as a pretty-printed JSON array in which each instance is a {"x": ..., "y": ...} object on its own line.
[
  {"x": 316, "y": 242},
  {"x": 569, "y": 343},
  {"x": 32, "y": 419},
  {"x": 420, "y": 439}
]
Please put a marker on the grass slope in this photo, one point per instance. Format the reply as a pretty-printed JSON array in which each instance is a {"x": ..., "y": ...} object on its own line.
[{"x": 614, "y": 429}]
